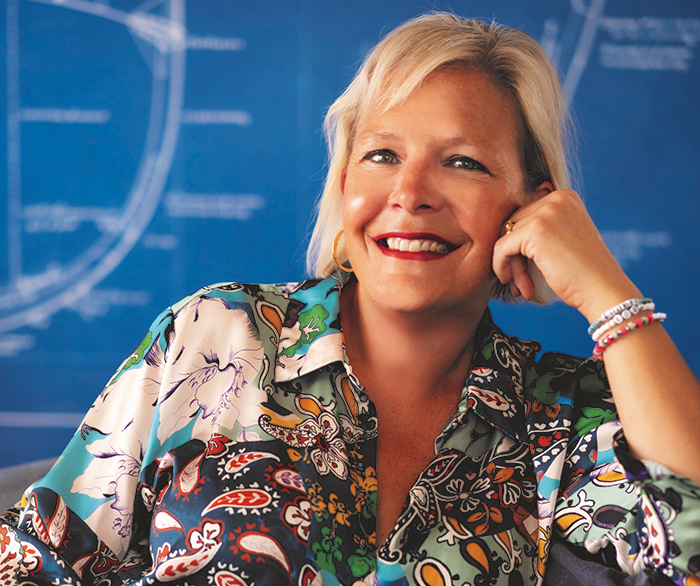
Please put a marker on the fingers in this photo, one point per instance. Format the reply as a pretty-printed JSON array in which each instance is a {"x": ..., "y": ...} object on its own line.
[
  {"x": 508, "y": 264},
  {"x": 510, "y": 267},
  {"x": 523, "y": 236},
  {"x": 514, "y": 291},
  {"x": 521, "y": 280},
  {"x": 515, "y": 274}
]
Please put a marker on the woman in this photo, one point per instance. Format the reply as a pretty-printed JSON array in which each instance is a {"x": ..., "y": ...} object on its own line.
[{"x": 253, "y": 438}]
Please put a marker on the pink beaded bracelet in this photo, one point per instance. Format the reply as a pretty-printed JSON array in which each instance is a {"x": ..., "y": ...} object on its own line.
[{"x": 626, "y": 329}]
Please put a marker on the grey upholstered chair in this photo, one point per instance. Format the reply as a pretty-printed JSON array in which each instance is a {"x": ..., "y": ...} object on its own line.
[{"x": 15, "y": 479}]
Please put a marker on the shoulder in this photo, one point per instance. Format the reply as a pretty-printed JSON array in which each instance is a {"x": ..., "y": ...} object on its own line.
[
  {"x": 237, "y": 295},
  {"x": 228, "y": 316},
  {"x": 562, "y": 374},
  {"x": 214, "y": 321},
  {"x": 567, "y": 397},
  {"x": 556, "y": 385},
  {"x": 252, "y": 305},
  {"x": 547, "y": 376}
]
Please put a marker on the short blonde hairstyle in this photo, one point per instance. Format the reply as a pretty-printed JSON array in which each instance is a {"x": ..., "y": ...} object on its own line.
[{"x": 400, "y": 63}]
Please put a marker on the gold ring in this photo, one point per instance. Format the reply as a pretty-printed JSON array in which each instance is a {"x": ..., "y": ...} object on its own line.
[{"x": 509, "y": 226}]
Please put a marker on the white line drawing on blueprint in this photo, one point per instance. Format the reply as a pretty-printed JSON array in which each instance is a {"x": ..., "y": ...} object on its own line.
[
  {"x": 158, "y": 29},
  {"x": 645, "y": 43},
  {"x": 32, "y": 299}
]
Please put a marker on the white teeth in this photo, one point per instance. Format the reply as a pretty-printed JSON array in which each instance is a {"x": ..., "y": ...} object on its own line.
[{"x": 416, "y": 245}]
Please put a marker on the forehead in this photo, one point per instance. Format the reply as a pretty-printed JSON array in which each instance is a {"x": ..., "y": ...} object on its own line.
[{"x": 466, "y": 99}]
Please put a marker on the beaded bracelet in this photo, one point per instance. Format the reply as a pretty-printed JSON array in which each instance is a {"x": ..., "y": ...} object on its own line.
[
  {"x": 626, "y": 315},
  {"x": 626, "y": 329},
  {"x": 613, "y": 311}
]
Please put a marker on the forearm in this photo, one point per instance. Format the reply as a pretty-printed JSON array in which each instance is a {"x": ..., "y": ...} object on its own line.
[
  {"x": 656, "y": 394},
  {"x": 658, "y": 399}
]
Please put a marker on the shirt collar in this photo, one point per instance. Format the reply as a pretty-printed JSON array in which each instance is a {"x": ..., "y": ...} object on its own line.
[
  {"x": 311, "y": 335},
  {"x": 494, "y": 389},
  {"x": 311, "y": 338}
]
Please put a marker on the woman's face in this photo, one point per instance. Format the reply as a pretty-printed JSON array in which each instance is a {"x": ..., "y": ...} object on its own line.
[{"x": 426, "y": 191}]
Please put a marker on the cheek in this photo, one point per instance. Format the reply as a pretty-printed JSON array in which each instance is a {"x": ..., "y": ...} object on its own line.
[
  {"x": 354, "y": 210},
  {"x": 356, "y": 203},
  {"x": 484, "y": 218}
]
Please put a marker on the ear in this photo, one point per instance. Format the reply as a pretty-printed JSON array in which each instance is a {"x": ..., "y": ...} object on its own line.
[
  {"x": 343, "y": 176},
  {"x": 544, "y": 189}
]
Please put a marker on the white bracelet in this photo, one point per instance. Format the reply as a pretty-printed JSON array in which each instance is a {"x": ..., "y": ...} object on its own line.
[
  {"x": 626, "y": 315},
  {"x": 613, "y": 311}
]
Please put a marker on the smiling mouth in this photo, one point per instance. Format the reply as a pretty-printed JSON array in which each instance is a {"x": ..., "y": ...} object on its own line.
[{"x": 415, "y": 245}]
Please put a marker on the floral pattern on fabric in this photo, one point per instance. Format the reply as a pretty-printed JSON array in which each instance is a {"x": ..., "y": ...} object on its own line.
[{"x": 235, "y": 447}]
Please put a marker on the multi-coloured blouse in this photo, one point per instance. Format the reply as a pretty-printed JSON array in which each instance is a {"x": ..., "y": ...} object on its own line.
[{"x": 235, "y": 447}]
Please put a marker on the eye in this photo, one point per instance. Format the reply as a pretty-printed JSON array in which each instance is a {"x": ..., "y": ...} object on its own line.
[
  {"x": 381, "y": 156},
  {"x": 462, "y": 162}
]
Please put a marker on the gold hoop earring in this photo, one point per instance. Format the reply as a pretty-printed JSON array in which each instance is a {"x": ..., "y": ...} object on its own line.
[{"x": 335, "y": 253}]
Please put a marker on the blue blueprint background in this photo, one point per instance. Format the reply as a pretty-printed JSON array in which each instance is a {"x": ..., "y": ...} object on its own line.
[{"x": 152, "y": 148}]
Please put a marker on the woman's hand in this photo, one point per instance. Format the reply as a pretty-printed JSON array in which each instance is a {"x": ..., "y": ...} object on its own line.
[{"x": 557, "y": 234}]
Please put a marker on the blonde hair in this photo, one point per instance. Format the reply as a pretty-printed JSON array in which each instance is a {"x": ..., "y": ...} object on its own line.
[{"x": 400, "y": 63}]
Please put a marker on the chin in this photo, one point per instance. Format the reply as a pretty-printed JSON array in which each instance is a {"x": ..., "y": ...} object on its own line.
[
  {"x": 413, "y": 306},
  {"x": 412, "y": 301},
  {"x": 411, "y": 295}
]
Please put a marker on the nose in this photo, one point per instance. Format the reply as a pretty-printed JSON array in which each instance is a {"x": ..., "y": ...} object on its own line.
[{"x": 414, "y": 191}]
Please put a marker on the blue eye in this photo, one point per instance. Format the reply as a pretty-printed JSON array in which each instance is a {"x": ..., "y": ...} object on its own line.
[
  {"x": 462, "y": 162},
  {"x": 381, "y": 156}
]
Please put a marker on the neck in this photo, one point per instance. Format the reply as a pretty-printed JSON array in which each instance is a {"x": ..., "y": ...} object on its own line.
[{"x": 418, "y": 353}]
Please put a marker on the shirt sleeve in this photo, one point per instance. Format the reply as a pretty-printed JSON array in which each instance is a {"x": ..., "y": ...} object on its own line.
[
  {"x": 669, "y": 511},
  {"x": 195, "y": 374},
  {"x": 78, "y": 522},
  {"x": 631, "y": 514}
]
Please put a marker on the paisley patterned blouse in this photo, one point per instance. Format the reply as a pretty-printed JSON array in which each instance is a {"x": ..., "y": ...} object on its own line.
[{"x": 235, "y": 447}]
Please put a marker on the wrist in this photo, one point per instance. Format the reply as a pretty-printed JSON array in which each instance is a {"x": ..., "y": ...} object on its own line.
[
  {"x": 607, "y": 298},
  {"x": 629, "y": 326}
]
